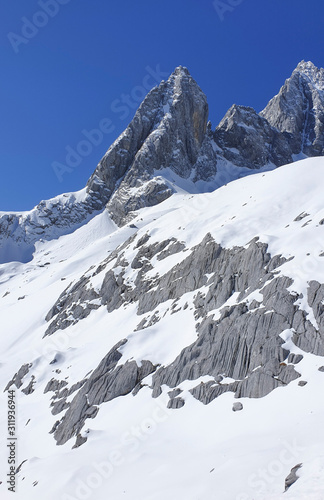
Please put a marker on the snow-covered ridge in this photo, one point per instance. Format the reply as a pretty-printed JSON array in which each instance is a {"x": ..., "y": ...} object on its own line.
[
  {"x": 314, "y": 74},
  {"x": 282, "y": 209},
  {"x": 50, "y": 219}
]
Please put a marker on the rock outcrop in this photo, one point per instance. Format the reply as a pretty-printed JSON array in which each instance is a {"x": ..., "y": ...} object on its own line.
[
  {"x": 239, "y": 346},
  {"x": 248, "y": 140}
]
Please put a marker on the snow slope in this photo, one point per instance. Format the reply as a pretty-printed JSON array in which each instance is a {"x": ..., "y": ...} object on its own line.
[{"x": 137, "y": 448}]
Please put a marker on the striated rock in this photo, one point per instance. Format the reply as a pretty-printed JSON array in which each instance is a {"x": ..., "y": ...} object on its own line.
[
  {"x": 244, "y": 343},
  {"x": 76, "y": 301},
  {"x": 175, "y": 393},
  {"x": 292, "y": 476},
  {"x": 312, "y": 339},
  {"x": 248, "y": 140},
  {"x": 167, "y": 135},
  {"x": 80, "y": 440},
  {"x": 30, "y": 387},
  {"x": 17, "y": 379},
  {"x": 108, "y": 381},
  {"x": 207, "y": 392},
  {"x": 54, "y": 385},
  {"x": 295, "y": 358},
  {"x": 59, "y": 406},
  {"x": 298, "y": 110},
  {"x": 176, "y": 403}
]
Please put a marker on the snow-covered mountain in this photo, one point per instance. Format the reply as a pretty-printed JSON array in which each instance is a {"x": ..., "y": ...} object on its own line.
[
  {"x": 298, "y": 110},
  {"x": 169, "y": 147},
  {"x": 141, "y": 311}
]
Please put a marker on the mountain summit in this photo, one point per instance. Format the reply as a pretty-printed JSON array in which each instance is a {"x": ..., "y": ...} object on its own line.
[
  {"x": 169, "y": 147},
  {"x": 167, "y": 135},
  {"x": 298, "y": 110}
]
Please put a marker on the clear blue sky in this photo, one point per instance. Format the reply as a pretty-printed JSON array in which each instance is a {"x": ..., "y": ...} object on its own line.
[{"x": 71, "y": 73}]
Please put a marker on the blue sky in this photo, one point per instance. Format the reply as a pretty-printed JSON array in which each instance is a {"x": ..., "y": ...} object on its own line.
[{"x": 66, "y": 73}]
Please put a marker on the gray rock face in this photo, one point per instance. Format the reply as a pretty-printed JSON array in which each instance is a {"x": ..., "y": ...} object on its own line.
[
  {"x": 168, "y": 132},
  {"x": 248, "y": 140},
  {"x": 17, "y": 379},
  {"x": 298, "y": 109},
  {"x": 237, "y": 407},
  {"x": 176, "y": 403},
  {"x": 292, "y": 476},
  {"x": 150, "y": 118},
  {"x": 105, "y": 383},
  {"x": 55, "y": 385},
  {"x": 295, "y": 358},
  {"x": 312, "y": 339},
  {"x": 242, "y": 343},
  {"x": 30, "y": 387},
  {"x": 76, "y": 303}
]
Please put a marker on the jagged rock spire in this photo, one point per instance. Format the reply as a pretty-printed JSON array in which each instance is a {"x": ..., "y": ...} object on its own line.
[
  {"x": 298, "y": 109},
  {"x": 167, "y": 132}
]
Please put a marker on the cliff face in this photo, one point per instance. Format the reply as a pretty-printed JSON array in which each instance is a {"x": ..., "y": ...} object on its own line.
[
  {"x": 298, "y": 110},
  {"x": 166, "y": 136},
  {"x": 248, "y": 140}
]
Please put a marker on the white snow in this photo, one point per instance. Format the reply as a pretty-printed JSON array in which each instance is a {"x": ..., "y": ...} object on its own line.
[{"x": 138, "y": 449}]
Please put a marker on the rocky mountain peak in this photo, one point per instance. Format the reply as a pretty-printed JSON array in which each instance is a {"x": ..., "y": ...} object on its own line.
[
  {"x": 170, "y": 147},
  {"x": 248, "y": 140},
  {"x": 166, "y": 134},
  {"x": 298, "y": 109},
  {"x": 309, "y": 70}
]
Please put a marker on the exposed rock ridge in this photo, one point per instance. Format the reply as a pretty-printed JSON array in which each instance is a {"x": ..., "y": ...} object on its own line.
[
  {"x": 107, "y": 382},
  {"x": 240, "y": 341},
  {"x": 50, "y": 219},
  {"x": 248, "y": 140}
]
